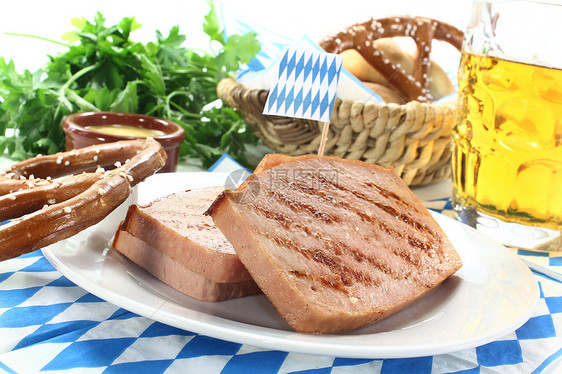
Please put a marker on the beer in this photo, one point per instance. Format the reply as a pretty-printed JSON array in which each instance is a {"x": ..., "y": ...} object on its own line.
[{"x": 507, "y": 142}]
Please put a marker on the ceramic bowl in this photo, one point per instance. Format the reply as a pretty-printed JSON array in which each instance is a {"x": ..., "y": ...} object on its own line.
[{"x": 80, "y": 130}]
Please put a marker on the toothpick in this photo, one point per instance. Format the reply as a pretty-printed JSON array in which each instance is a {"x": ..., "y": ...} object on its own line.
[{"x": 323, "y": 139}]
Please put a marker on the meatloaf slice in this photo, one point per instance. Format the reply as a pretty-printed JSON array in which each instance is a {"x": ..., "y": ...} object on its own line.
[
  {"x": 334, "y": 244},
  {"x": 173, "y": 273},
  {"x": 175, "y": 225}
]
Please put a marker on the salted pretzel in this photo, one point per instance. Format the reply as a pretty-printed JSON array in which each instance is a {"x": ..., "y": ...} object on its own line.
[
  {"x": 44, "y": 207},
  {"x": 422, "y": 30}
]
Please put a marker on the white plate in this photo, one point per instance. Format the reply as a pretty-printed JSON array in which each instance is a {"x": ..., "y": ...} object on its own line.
[{"x": 493, "y": 294}]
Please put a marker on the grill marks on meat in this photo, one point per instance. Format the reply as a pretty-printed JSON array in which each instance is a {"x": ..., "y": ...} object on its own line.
[
  {"x": 342, "y": 276},
  {"x": 329, "y": 250}
]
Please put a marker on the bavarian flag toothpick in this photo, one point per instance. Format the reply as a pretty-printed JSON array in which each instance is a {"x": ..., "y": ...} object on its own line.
[{"x": 306, "y": 87}]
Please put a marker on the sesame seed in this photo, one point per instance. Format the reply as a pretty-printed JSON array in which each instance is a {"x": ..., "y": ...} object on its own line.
[
  {"x": 117, "y": 164},
  {"x": 12, "y": 197},
  {"x": 67, "y": 209},
  {"x": 52, "y": 201},
  {"x": 66, "y": 163}
]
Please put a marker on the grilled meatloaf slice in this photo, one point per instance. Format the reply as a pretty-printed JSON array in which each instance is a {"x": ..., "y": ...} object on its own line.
[
  {"x": 173, "y": 273},
  {"x": 334, "y": 244},
  {"x": 176, "y": 226}
]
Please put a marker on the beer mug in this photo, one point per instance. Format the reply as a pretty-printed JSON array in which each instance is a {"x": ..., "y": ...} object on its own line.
[{"x": 507, "y": 141}]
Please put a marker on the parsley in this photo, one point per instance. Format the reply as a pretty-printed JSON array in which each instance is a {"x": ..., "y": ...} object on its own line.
[{"x": 105, "y": 70}]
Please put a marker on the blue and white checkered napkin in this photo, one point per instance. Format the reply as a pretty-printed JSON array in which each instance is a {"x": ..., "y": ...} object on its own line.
[{"x": 48, "y": 324}]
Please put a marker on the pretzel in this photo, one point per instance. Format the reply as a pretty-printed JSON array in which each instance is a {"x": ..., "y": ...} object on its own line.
[
  {"x": 45, "y": 209},
  {"x": 422, "y": 30}
]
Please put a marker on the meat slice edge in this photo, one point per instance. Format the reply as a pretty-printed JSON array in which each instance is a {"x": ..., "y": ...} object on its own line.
[
  {"x": 175, "y": 225},
  {"x": 173, "y": 273}
]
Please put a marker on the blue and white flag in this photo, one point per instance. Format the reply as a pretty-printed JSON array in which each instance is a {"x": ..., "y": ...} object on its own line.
[{"x": 306, "y": 85}]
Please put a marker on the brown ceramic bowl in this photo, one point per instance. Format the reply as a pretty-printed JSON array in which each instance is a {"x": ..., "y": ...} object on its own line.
[{"x": 80, "y": 132}]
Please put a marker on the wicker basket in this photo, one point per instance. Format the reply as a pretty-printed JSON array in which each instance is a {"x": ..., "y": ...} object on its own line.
[{"x": 413, "y": 138}]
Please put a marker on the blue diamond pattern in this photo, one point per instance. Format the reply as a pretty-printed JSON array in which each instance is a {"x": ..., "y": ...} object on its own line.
[
  {"x": 246, "y": 363},
  {"x": 291, "y": 65},
  {"x": 41, "y": 265},
  {"x": 4, "y": 276},
  {"x": 61, "y": 282},
  {"x": 283, "y": 64},
  {"x": 11, "y": 298},
  {"x": 272, "y": 98},
  {"x": 90, "y": 353},
  {"x": 300, "y": 66},
  {"x": 537, "y": 328},
  {"x": 204, "y": 345},
  {"x": 298, "y": 100},
  {"x": 503, "y": 352},
  {"x": 281, "y": 98},
  {"x": 408, "y": 365},
  {"x": 160, "y": 329},
  {"x": 324, "y": 105},
  {"x": 64, "y": 332},
  {"x": 554, "y": 304},
  {"x": 32, "y": 315}
]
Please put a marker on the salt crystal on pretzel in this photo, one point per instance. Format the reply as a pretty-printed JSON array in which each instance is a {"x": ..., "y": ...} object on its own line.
[{"x": 55, "y": 210}]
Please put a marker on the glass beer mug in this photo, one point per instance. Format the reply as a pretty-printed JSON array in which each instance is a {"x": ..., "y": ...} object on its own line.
[{"x": 507, "y": 142}]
